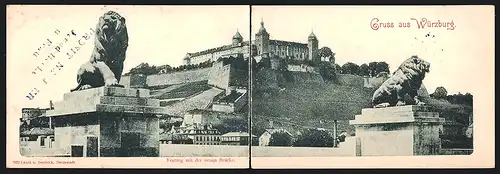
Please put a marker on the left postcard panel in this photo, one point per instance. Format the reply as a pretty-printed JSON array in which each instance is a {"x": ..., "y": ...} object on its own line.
[{"x": 127, "y": 86}]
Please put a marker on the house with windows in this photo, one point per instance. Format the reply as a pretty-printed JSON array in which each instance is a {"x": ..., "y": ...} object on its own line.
[
  {"x": 37, "y": 137},
  {"x": 238, "y": 139},
  {"x": 193, "y": 134}
]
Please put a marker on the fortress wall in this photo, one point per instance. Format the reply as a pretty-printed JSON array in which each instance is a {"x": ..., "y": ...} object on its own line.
[
  {"x": 302, "y": 68},
  {"x": 219, "y": 75},
  {"x": 172, "y": 78},
  {"x": 178, "y": 77}
]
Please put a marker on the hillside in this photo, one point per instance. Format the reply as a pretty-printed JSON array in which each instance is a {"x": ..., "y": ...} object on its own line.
[
  {"x": 297, "y": 99},
  {"x": 199, "y": 101}
]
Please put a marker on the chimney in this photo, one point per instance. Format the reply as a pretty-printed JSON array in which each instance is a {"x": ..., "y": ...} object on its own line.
[{"x": 271, "y": 124}]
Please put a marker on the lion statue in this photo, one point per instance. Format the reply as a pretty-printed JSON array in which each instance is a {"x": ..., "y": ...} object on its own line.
[
  {"x": 407, "y": 79},
  {"x": 106, "y": 62}
]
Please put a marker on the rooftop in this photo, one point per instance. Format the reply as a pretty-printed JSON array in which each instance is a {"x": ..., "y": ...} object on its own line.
[
  {"x": 37, "y": 131},
  {"x": 237, "y": 134},
  {"x": 312, "y": 35},
  {"x": 262, "y": 29},
  {"x": 287, "y": 43},
  {"x": 217, "y": 49},
  {"x": 272, "y": 131},
  {"x": 231, "y": 97},
  {"x": 237, "y": 35},
  {"x": 170, "y": 137}
]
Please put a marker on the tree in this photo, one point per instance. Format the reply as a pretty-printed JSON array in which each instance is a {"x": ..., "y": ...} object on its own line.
[
  {"x": 364, "y": 70},
  {"x": 309, "y": 62},
  {"x": 314, "y": 138},
  {"x": 382, "y": 67},
  {"x": 236, "y": 124},
  {"x": 326, "y": 52},
  {"x": 440, "y": 93},
  {"x": 327, "y": 71},
  {"x": 283, "y": 64},
  {"x": 461, "y": 99},
  {"x": 377, "y": 67},
  {"x": 338, "y": 69},
  {"x": 372, "y": 67},
  {"x": 166, "y": 122},
  {"x": 145, "y": 69},
  {"x": 350, "y": 68},
  {"x": 265, "y": 62},
  {"x": 280, "y": 138}
]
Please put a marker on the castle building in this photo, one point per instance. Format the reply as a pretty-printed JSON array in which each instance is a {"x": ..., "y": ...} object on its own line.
[
  {"x": 238, "y": 46},
  {"x": 285, "y": 49},
  {"x": 263, "y": 45}
]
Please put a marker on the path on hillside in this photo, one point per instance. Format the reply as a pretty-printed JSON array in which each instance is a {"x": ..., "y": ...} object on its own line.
[{"x": 199, "y": 101}]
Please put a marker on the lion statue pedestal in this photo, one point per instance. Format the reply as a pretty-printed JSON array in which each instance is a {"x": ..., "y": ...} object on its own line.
[
  {"x": 107, "y": 122},
  {"x": 409, "y": 130}
]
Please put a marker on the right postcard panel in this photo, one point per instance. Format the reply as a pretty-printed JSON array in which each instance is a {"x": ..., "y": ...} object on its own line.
[{"x": 366, "y": 86}]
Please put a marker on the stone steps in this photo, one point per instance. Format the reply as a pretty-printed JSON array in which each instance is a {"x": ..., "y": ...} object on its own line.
[
  {"x": 107, "y": 99},
  {"x": 107, "y": 91}
]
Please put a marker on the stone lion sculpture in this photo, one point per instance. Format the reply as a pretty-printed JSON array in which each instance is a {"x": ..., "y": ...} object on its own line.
[
  {"x": 106, "y": 62},
  {"x": 407, "y": 79}
]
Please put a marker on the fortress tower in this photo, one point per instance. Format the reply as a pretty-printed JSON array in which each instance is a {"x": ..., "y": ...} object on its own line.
[
  {"x": 237, "y": 38},
  {"x": 262, "y": 40},
  {"x": 312, "y": 45}
]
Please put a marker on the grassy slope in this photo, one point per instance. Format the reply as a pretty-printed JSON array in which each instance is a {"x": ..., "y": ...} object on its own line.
[
  {"x": 303, "y": 102},
  {"x": 185, "y": 90}
]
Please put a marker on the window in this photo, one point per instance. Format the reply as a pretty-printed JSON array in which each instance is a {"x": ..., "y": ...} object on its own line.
[{"x": 42, "y": 141}]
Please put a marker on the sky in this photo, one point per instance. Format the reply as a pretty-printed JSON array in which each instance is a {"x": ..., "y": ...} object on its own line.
[
  {"x": 161, "y": 35},
  {"x": 158, "y": 35},
  {"x": 457, "y": 57}
]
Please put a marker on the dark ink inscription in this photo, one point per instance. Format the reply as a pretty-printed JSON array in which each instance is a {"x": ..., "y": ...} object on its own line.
[
  {"x": 32, "y": 93},
  {"x": 54, "y": 54}
]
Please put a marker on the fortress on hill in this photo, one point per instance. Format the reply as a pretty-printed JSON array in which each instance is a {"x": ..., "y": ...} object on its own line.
[{"x": 262, "y": 45}]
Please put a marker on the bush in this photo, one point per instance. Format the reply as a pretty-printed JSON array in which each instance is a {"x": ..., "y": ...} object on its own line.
[
  {"x": 377, "y": 67},
  {"x": 350, "y": 68},
  {"x": 280, "y": 138},
  {"x": 440, "y": 93},
  {"x": 364, "y": 70},
  {"x": 314, "y": 138}
]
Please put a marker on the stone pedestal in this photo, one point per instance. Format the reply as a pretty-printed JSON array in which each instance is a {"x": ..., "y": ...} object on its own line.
[
  {"x": 107, "y": 122},
  {"x": 398, "y": 131}
]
